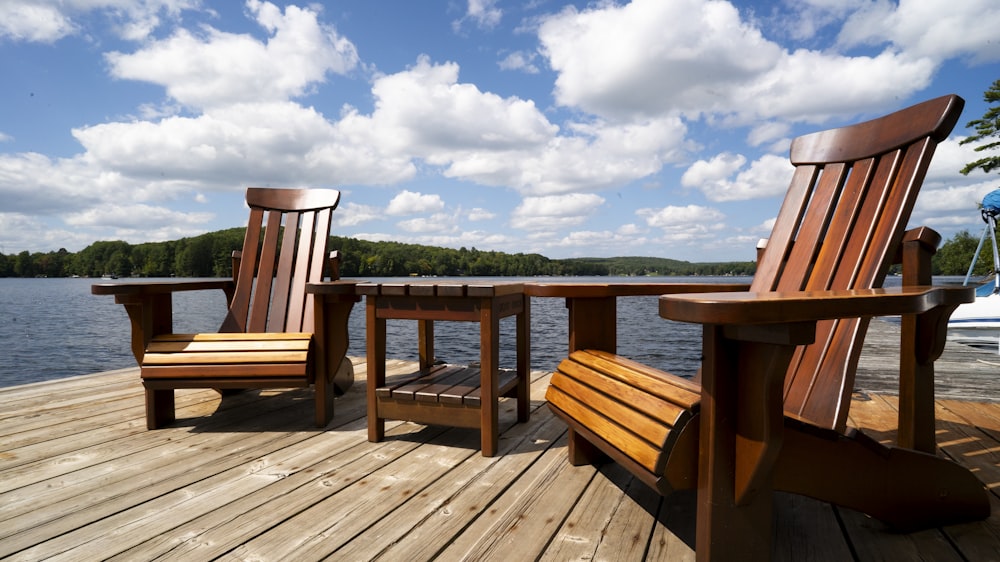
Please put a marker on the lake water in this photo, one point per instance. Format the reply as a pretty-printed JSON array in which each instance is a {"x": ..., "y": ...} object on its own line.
[{"x": 55, "y": 328}]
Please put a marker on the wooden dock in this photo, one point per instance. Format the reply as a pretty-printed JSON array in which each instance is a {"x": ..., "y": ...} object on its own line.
[{"x": 249, "y": 478}]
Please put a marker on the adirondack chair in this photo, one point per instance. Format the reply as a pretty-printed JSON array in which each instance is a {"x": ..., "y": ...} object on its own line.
[
  {"x": 770, "y": 409},
  {"x": 290, "y": 331}
]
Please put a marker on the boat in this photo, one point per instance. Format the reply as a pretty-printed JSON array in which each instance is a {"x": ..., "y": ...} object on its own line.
[{"x": 978, "y": 323}]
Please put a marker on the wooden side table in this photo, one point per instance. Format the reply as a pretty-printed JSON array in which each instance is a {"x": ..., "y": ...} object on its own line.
[{"x": 447, "y": 394}]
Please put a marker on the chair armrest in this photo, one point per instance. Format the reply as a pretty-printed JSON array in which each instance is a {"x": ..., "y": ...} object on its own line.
[
  {"x": 149, "y": 306},
  {"x": 808, "y": 306},
  {"x": 161, "y": 287}
]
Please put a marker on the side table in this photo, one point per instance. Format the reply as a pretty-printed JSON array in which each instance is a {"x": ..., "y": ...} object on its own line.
[{"x": 447, "y": 394}]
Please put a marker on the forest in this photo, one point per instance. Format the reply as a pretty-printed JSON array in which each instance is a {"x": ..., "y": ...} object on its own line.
[{"x": 208, "y": 255}]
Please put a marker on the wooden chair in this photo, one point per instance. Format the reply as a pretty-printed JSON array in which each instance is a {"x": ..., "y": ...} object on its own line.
[
  {"x": 770, "y": 409},
  {"x": 289, "y": 331}
]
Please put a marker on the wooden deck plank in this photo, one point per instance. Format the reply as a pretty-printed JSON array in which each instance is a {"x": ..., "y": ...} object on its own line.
[
  {"x": 249, "y": 476},
  {"x": 806, "y": 529},
  {"x": 312, "y": 468},
  {"x": 615, "y": 511},
  {"x": 430, "y": 524},
  {"x": 524, "y": 517}
]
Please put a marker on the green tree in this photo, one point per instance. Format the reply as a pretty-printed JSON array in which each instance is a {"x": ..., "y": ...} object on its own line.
[
  {"x": 987, "y": 128},
  {"x": 23, "y": 265},
  {"x": 955, "y": 255}
]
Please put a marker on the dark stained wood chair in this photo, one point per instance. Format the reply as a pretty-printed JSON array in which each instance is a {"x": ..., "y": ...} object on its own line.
[
  {"x": 770, "y": 408},
  {"x": 284, "y": 328}
]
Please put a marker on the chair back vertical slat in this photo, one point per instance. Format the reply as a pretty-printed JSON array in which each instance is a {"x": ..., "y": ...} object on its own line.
[
  {"x": 283, "y": 279},
  {"x": 772, "y": 262},
  {"x": 317, "y": 265},
  {"x": 236, "y": 317},
  {"x": 296, "y": 297},
  {"x": 839, "y": 228},
  {"x": 257, "y": 322}
]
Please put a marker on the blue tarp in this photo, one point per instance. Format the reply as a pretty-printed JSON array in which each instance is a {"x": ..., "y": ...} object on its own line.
[
  {"x": 986, "y": 289},
  {"x": 991, "y": 203}
]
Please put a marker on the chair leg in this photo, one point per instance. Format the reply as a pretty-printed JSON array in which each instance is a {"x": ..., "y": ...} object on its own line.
[
  {"x": 582, "y": 452},
  {"x": 159, "y": 407},
  {"x": 907, "y": 490}
]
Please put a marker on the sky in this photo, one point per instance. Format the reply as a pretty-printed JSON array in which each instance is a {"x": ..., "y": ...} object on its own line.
[{"x": 570, "y": 129}]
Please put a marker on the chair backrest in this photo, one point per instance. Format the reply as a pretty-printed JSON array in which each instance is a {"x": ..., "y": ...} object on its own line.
[
  {"x": 284, "y": 248},
  {"x": 839, "y": 227}
]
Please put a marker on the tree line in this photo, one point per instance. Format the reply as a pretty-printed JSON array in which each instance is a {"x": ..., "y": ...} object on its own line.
[{"x": 209, "y": 255}]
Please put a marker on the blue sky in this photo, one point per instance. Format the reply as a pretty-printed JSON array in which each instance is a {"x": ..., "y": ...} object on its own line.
[{"x": 657, "y": 128}]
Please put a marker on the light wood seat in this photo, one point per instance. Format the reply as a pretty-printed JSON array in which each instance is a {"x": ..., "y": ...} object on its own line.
[
  {"x": 770, "y": 407},
  {"x": 288, "y": 332}
]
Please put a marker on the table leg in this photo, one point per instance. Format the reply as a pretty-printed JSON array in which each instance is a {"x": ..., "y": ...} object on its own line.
[
  {"x": 593, "y": 323},
  {"x": 524, "y": 361},
  {"x": 425, "y": 339},
  {"x": 376, "y": 367},
  {"x": 489, "y": 331}
]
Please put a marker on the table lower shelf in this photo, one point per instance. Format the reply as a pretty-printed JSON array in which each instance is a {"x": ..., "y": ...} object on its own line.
[{"x": 443, "y": 394}]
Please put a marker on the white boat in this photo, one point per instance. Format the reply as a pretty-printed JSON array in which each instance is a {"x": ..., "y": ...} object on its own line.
[{"x": 978, "y": 323}]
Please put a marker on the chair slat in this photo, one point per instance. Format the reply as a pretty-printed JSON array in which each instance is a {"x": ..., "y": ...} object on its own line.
[
  {"x": 262, "y": 291},
  {"x": 253, "y": 374},
  {"x": 299, "y": 273},
  {"x": 228, "y": 357},
  {"x": 316, "y": 266},
  {"x": 227, "y": 345},
  {"x": 236, "y": 318},
  {"x": 234, "y": 336},
  {"x": 283, "y": 281}
]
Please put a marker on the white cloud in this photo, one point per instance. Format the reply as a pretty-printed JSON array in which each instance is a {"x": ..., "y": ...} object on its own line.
[
  {"x": 411, "y": 203},
  {"x": 636, "y": 59},
  {"x": 619, "y": 61},
  {"x": 439, "y": 222},
  {"x": 520, "y": 60},
  {"x": 555, "y": 211},
  {"x": 220, "y": 68},
  {"x": 769, "y": 131},
  {"x": 426, "y": 111},
  {"x": 480, "y": 214},
  {"x": 33, "y": 22},
  {"x": 678, "y": 218},
  {"x": 768, "y": 176},
  {"x": 721, "y": 166},
  {"x": 46, "y": 21},
  {"x": 135, "y": 216},
  {"x": 353, "y": 214},
  {"x": 938, "y": 29},
  {"x": 484, "y": 13}
]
